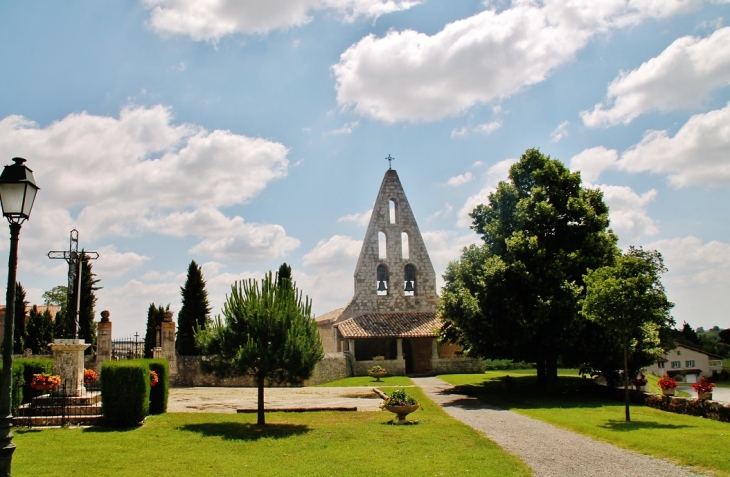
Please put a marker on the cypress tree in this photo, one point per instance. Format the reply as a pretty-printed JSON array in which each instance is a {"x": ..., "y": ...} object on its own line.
[
  {"x": 19, "y": 332},
  {"x": 194, "y": 312},
  {"x": 155, "y": 316},
  {"x": 87, "y": 325},
  {"x": 39, "y": 331}
]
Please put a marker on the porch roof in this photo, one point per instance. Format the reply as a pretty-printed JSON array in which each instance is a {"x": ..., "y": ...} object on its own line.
[{"x": 391, "y": 325}]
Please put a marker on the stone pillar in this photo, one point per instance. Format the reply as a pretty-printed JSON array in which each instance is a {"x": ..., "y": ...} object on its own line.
[
  {"x": 399, "y": 344},
  {"x": 104, "y": 339},
  {"x": 68, "y": 362},
  {"x": 167, "y": 344},
  {"x": 157, "y": 352},
  {"x": 351, "y": 348},
  {"x": 434, "y": 348}
]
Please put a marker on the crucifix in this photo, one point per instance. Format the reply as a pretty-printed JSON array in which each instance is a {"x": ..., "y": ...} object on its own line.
[
  {"x": 390, "y": 161},
  {"x": 75, "y": 259}
]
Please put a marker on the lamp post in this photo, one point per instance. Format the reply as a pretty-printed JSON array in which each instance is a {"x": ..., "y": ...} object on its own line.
[{"x": 17, "y": 194}]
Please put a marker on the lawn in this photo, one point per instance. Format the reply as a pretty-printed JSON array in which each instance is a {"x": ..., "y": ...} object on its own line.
[
  {"x": 291, "y": 444},
  {"x": 573, "y": 404},
  {"x": 370, "y": 381}
]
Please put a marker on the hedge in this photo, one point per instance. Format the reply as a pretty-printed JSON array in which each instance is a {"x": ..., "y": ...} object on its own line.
[
  {"x": 23, "y": 371},
  {"x": 158, "y": 393},
  {"x": 125, "y": 392},
  {"x": 693, "y": 407}
]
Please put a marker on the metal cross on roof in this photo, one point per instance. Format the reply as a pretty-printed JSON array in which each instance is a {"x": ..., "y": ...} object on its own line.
[
  {"x": 74, "y": 258},
  {"x": 390, "y": 161}
]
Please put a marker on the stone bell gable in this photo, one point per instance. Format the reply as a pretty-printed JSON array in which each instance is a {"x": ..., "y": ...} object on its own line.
[{"x": 394, "y": 272}]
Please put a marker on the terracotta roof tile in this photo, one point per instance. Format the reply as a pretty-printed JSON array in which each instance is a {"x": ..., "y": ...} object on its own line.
[
  {"x": 330, "y": 316},
  {"x": 391, "y": 325}
]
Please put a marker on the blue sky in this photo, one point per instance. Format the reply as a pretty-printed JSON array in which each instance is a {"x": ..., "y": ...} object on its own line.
[{"x": 245, "y": 134}]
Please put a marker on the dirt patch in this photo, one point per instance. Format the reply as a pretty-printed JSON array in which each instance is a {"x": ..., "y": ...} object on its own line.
[{"x": 229, "y": 400}]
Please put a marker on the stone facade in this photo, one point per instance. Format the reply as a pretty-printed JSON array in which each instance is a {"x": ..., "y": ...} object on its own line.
[
  {"x": 366, "y": 298},
  {"x": 333, "y": 367}
]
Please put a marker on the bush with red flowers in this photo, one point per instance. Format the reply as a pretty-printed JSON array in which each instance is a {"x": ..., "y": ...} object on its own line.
[{"x": 667, "y": 383}]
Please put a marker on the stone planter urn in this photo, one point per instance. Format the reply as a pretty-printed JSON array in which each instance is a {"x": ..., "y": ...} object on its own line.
[
  {"x": 704, "y": 396},
  {"x": 668, "y": 392},
  {"x": 378, "y": 375},
  {"x": 640, "y": 387},
  {"x": 402, "y": 412}
]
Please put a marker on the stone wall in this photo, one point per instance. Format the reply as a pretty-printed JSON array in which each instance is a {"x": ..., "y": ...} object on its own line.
[
  {"x": 393, "y": 366},
  {"x": 333, "y": 367},
  {"x": 189, "y": 374},
  {"x": 456, "y": 365}
]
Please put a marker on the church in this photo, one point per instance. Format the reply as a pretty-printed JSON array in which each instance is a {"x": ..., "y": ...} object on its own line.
[{"x": 392, "y": 319}]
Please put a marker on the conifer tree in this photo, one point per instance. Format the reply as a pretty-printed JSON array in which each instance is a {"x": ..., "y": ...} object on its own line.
[
  {"x": 87, "y": 325},
  {"x": 19, "y": 331},
  {"x": 269, "y": 333},
  {"x": 39, "y": 331},
  {"x": 194, "y": 312},
  {"x": 155, "y": 316}
]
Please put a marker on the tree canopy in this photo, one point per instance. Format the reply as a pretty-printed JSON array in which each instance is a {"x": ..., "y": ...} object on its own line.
[
  {"x": 194, "y": 313},
  {"x": 155, "y": 317},
  {"x": 517, "y": 295},
  {"x": 87, "y": 325},
  {"x": 629, "y": 300},
  {"x": 19, "y": 327},
  {"x": 269, "y": 333},
  {"x": 39, "y": 331}
]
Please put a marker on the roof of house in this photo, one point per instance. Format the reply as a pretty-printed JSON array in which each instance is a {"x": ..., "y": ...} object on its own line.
[
  {"x": 53, "y": 309},
  {"x": 329, "y": 316},
  {"x": 391, "y": 325},
  {"x": 711, "y": 355}
]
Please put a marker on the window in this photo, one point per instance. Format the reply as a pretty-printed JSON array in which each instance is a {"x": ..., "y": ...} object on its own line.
[
  {"x": 392, "y": 211},
  {"x": 410, "y": 280},
  {"x": 382, "y": 246},
  {"x": 679, "y": 353},
  {"x": 382, "y": 282},
  {"x": 661, "y": 364},
  {"x": 676, "y": 364},
  {"x": 405, "y": 248},
  {"x": 690, "y": 363}
]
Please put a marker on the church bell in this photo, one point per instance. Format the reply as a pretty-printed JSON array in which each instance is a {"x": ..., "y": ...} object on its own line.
[
  {"x": 409, "y": 286},
  {"x": 381, "y": 285}
]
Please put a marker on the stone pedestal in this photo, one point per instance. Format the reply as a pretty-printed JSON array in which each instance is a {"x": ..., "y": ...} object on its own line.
[
  {"x": 168, "y": 342},
  {"x": 157, "y": 352},
  {"x": 68, "y": 362},
  {"x": 104, "y": 339}
]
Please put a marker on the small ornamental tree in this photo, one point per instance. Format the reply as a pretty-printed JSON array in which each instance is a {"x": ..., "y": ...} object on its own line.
[
  {"x": 194, "y": 312},
  {"x": 87, "y": 325},
  {"x": 269, "y": 333},
  {"x": 39, "y": 331},
  {"x": 628, "y": 299},
  {"x": 19, "y": 330}
]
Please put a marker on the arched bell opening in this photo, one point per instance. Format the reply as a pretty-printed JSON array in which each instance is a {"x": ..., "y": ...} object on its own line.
[
  {"x": 409, "y": 286},
  {"x": 382, "y": 280}
]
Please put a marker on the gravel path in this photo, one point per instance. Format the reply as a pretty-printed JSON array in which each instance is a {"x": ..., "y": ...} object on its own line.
[{"x": 550, "y": 451}]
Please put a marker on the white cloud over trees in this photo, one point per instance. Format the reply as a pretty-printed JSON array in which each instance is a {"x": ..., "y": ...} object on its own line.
[
  {"x": 411, "y": 76},
  {"x": 682, "y": 76}
]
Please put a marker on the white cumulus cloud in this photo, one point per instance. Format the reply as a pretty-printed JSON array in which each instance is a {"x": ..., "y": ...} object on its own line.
[
  {"x": 627, "y": 211},
  {"x": 460, "y": 179},
  {"x": 682, "y": 76},
  {"x": 211, "y": 20},
  {"x": 141, "y": 173},
  {"x": 358, "y": 218},
  {"x": 411, "y": 76},
  {"x": 338, "y": 251},
  {"x": 496, "y": 173},
  {"x": 592, "y": 162},
  {"x": 697, "y": 154}
]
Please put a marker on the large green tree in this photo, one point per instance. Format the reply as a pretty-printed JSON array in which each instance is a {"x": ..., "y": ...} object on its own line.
[
  {"x": 269, "y": 332},
  {"x": 155, "y": 317},
  {"x": 194, "y": 314},
  {"x": 517, "y": 295},
  {"x": 39, "y": 331},
  {"x": 629, "y": 300},
  {"x": 19, "y": 330},
  {"x": 58, "y": 296}
]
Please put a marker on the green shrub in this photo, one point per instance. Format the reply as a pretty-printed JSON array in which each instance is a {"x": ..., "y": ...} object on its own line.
[
  {"x": 158, "y": 393},
  {"x": 23, "y": 371},
  {"x": 125, "y": 392}
]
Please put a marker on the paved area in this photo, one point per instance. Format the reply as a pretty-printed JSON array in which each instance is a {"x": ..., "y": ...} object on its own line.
[
  {"x": 228, "y": 400},
  {"x": 718, "y": 394},
  {"x": 548, "y": 450}
]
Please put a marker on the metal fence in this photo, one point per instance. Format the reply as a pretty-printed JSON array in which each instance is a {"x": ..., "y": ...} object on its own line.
[
  {"x": 34, "y": 408},
  {"x": 130, "y": 347}
]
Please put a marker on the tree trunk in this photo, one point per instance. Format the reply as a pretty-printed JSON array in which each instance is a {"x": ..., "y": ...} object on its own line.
[
  {"x": 541, "y": 371},
  {"x": 261, "y": 421},
  {"x": 626, "y": 378},
  {"x": 551, "y": 369}
]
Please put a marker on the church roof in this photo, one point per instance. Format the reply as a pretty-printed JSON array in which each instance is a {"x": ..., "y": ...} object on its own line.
[
  {"x": 391, "y": 325},
  {"x": 329, "y": 316}
]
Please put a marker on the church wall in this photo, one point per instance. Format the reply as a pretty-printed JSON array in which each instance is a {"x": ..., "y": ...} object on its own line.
[
  {"x": 456, "y": 365},
  {"x": 327, "y": 335},
  {"x": 421, "y": 352},
  {"x": 333, "y": 367}
]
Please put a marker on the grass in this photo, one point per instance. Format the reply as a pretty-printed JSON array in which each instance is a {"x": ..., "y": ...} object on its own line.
[
  {"x": 291, "y": 444},
  {"x": 574, "y": 404},
  {"x": 369, "y": 381}
]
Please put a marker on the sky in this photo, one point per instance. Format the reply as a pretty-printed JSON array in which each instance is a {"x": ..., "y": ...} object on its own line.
[{"x": 246, "y": 134}]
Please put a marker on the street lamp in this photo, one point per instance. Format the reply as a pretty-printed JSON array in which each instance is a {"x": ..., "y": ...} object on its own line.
[{"x": 17, "y": 194}]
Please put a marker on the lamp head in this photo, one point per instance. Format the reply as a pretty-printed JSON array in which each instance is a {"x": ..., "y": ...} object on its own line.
[{"x": 17, "y": 191}]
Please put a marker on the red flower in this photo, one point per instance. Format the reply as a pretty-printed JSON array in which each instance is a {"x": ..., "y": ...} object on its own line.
[
  {"x": 153, "y": 378},
  {"x": 704, "y": 386}
]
